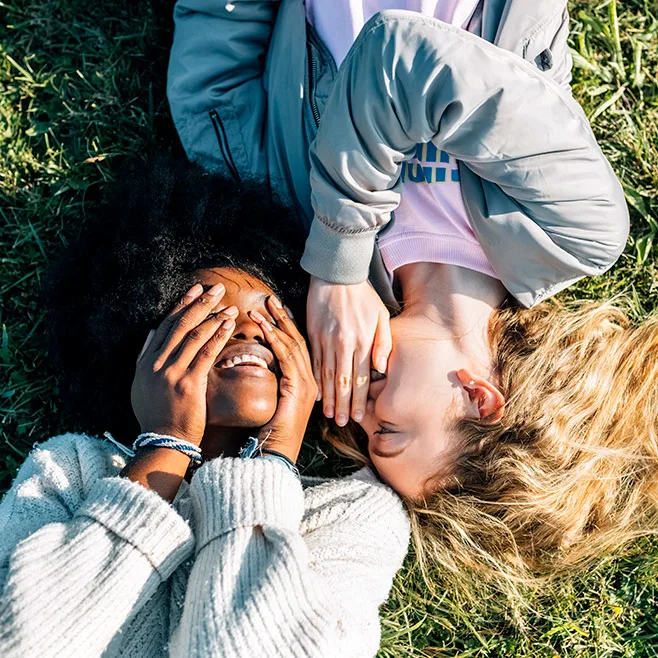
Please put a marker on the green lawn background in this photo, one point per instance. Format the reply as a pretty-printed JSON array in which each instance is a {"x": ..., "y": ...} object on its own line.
[{"x": 82, "y": 86}]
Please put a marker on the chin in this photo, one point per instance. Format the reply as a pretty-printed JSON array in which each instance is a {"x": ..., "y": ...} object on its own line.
[{"x": 233, "y": 413}]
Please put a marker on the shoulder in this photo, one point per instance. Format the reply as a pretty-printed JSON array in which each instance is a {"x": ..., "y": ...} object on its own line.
[{"x": 360, "y": 500}]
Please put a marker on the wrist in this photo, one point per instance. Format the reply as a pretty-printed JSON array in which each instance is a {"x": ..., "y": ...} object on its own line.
[
  {"x": 286, "y": 446},
  {"x": 158, "y": 469},
  {"x": 170, "y": 430}
]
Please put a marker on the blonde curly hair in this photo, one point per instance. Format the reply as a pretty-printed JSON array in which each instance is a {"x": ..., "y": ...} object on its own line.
[{"x": 571, "y": 471}]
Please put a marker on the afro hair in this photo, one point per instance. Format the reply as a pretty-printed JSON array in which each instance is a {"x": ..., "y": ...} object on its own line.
[{"x": 134, "y": 259}]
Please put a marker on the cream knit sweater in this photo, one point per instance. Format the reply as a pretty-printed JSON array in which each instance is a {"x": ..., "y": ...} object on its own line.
[{"x": 246, "y": 563}]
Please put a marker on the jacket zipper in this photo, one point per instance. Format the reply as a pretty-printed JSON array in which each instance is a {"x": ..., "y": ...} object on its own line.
[
  {"x": 312, "y": 74},
  {"x": 222, "y": 140}
]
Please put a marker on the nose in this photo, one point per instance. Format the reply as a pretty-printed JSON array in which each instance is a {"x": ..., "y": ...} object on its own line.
[{"x": 247, "y": 330}]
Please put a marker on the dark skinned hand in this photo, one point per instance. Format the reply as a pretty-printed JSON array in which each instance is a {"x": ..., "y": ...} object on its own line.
[
  {"x": 171, "y": 378},
  {"x": 297, "y": 387}
]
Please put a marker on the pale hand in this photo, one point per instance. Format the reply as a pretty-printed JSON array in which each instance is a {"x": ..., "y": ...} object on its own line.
[{"x": 349, "y": 331}]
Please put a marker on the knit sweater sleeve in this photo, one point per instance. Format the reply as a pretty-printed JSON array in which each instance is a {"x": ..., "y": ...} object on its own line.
[
  {"x": 81, "y": 550},
  {"x": 280, "y": 574}
]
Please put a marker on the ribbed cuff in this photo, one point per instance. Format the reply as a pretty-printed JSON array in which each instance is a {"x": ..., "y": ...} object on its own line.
[
  {"x": 142, "y": 518},
  {"x": 229, "y": 493},
  {"x": 338, "y": 256}
]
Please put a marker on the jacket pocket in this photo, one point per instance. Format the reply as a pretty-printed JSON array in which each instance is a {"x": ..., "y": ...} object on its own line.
[
  {"x": 230, "y": 141},
  {"x": 548, "y": 43}
]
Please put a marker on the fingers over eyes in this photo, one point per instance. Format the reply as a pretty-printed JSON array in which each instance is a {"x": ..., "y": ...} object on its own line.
[
  {"x": 191, "y": 311},
  {"x": 383, "y": 343},
  {"x": 360, "y": 385},
  {"x": 208, "y": 352},
  {"x": 328, "y": 384},
  {"x": 344, "y": 364},
  {"x": 197, "y": 339}
]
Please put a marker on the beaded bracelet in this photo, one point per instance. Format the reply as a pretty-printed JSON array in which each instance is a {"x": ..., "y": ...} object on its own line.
[{"x": 153, "y": 440}]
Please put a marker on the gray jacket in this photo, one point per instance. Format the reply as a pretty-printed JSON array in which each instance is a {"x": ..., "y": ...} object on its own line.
[{"x": 250, "y": 79}]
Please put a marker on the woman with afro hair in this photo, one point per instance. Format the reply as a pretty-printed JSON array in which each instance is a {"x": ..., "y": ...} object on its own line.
[{"x": 167, "y": 327}]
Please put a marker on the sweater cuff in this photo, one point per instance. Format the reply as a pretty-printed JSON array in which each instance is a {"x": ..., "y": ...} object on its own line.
[
  {"x": 338, "y": 256},
  {"x": 229, "y": 493},
  {"x": 143, "y": 519}
]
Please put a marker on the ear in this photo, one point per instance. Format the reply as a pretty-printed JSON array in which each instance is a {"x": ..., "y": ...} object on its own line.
[{"x": 488, "y": 402}]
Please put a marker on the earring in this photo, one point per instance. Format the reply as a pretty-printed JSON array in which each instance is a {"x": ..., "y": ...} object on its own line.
[{"x": 472, "y": 382}]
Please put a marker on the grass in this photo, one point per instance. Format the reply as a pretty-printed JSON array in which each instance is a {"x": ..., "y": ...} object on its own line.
[{"x": 82, "y": 85}]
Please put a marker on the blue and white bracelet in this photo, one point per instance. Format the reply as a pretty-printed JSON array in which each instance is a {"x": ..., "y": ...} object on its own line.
[
  {"x": 153, "y": 440},
  {"x": 253, "y": 449}
]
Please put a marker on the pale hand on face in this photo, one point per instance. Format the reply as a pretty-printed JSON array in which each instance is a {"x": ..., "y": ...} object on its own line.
[
  {"x": 348, "y": 327},
  {"x": 411, "y": 414}
]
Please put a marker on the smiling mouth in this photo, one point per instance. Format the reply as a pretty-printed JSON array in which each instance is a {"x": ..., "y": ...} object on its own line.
[
  {"x": 241, "y": 360},
  {"x": 247, "y": 357}
]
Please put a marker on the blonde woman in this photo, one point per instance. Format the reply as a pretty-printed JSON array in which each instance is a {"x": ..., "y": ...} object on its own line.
[
  {"x": 523, "y": 439},
  {"x": 564, "y": 472}
]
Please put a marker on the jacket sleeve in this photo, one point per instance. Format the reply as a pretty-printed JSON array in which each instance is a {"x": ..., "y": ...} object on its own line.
[
  {"x": 262, "y": 584},
  {"x": 215, "y": 86},
  {"x": 79, "y": 556},
  {"x": 542, "y": 199},
  {"x": 562, "y": 64}
]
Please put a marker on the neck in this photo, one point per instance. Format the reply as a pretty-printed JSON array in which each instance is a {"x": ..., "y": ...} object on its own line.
[
  {"x": 224, "y": 441},
  {"x": 458, "y": 302}
]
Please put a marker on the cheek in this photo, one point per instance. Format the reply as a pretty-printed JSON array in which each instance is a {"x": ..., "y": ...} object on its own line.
[
  {"x": 248, "y": 402},
  {"x": 399, "y": 475}
]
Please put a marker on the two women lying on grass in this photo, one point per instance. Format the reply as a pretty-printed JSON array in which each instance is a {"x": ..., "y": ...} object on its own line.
[
  {"x": 489, "y": 411},
  {"x": 105, "y": 555},
  {"x": 496, "y": 424}
]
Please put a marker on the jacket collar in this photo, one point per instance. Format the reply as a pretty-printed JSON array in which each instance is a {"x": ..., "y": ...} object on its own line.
[{"x": 511, "y": 23}]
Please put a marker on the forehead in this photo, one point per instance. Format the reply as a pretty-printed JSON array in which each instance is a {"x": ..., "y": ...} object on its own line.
[{"x": 234, "y": 280}]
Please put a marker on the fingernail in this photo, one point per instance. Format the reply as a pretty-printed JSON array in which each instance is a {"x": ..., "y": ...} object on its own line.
[
  {"x": 257, "y": 316},
  {"x": 289, "y": 312},
  {"x": 194, "y": 291},
  {"x": 341, "y": 419},
  {"x": 232, "y": 311},
  {"x": 358, "y": 416},
  {"x": 381, "y": 364},
  {"x": 276, "y": 302},
  {"x": 318, "y": 397},
  {"x": 329, "y": 412},
  {"x": 217, "y": 289}
]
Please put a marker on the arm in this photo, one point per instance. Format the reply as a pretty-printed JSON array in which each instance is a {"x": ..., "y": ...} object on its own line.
[
  {"x": 546, "y": 208},
  {"x": 215, "y": 85},
  {"x": 81, "y": 551},
  {"x": 264, "y": 584}
]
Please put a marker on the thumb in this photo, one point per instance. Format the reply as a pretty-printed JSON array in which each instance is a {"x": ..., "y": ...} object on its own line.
[{"x": 383, "y": 343}]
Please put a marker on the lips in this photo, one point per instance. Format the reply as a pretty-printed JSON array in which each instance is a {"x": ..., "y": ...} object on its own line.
[{"x": 241, "y": 354}]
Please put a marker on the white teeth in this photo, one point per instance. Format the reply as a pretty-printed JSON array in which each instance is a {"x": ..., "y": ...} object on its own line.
[{"x": 243, "y": 358}]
